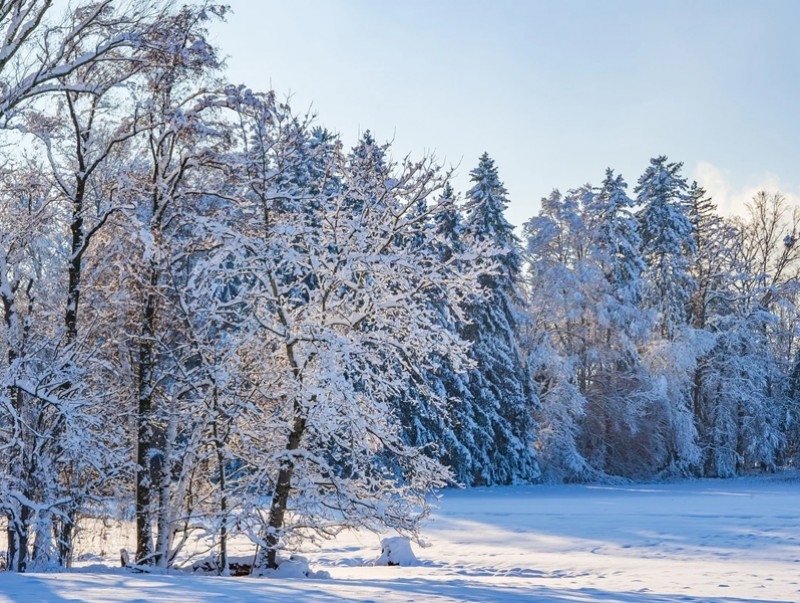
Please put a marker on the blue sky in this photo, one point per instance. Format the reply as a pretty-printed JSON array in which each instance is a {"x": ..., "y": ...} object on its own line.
[{"x": 555, "y": 91}]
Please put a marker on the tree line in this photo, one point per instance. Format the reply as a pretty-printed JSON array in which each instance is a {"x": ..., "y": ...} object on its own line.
[
  {"x": 663, "y": 334},
  {"x": 219, "y": 321}
]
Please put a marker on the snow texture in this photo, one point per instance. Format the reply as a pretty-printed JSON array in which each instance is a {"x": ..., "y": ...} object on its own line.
[
  {"x": 396, "y": 551},
  {"x": 293, "y": 567},
  {"x": 702, "y": 541}
]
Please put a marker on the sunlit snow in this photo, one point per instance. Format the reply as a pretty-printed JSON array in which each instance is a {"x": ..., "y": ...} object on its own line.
[{"x": 699, "y": 541}]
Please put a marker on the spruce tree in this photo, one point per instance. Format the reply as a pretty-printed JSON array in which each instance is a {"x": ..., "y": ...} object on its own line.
[
  {"x": 669, "y": 249},
  {"x": 436, "y": 411},
  {"x": 500, "y": 389},
  {"x": 617, "y": 244},
  {"x": 667, "y": 243}
]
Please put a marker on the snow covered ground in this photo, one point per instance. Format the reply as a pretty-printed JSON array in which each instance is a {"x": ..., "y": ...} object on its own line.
[{"x": 699, "y": 541}]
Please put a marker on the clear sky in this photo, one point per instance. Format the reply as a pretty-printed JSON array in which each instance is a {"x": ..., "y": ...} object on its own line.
[{"x": 555, "y": 91}]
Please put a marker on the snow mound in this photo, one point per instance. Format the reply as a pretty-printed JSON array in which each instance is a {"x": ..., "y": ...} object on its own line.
[
  {"x": 396, "y": 551},
  {"x": 293, "y": 567}
]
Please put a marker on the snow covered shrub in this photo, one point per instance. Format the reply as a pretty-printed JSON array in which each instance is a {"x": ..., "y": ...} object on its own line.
[{"x": 396, "y": 551}]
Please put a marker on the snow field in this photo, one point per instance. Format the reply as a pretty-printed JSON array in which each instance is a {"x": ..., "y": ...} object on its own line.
[{"x": 719, "y": 541}]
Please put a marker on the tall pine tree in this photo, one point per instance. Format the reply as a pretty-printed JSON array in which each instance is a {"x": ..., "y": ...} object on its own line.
[
  {"x": 500, "y": 387},
  {"x": 669, "y": 248},
  {"x": 667, "y": 243}
]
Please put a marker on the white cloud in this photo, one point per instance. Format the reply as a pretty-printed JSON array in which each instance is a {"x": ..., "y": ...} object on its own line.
[
  {"x": 711, "y": 178},
  {"x": 731, "y": 199}
]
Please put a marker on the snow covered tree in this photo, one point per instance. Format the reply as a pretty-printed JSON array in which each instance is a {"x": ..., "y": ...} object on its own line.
[
  {"x": 560, "y": 296},
  {"x": 27, "y": 209},
  {"x": 669, "y": 248},
  {"x": 172, "y": 176},
  {"x": 339, "y": 302},
  {"x": 617, "y": 244},
  {"x": 584, "y": 286},
  {"x": 714, "y": 392},
  {"x": 38, "y": 53},
  {"x": 755, "y": 333},
  {"x": 500, "y": 390},
  {"x": 661, "y": 344},
  {"x": 713, "y": 240},
  {"x": 84, "y": 135},
  {"x": 73, "y": 58},
  {"x": 667, "y": 243},
  {"x": 614, "y": 412},
  {"x": 436, "y": 406}
]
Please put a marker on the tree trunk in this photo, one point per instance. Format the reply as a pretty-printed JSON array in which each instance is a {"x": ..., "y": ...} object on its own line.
[
  {"x": 18, "y": 533},
  {"x": 78, "y": 245},
  {"x": 65, "y": 533},
  {"x": 163, "y": 477},
  {"x": 145, "y": 431},
  {"x": 280, "y": 498},
  {"x": 77, "y": 249},
  {"x": 19, "y": 517},
  {"x": 219, "y": 446}
]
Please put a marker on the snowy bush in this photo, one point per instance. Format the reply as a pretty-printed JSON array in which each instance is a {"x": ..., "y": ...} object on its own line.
[{"x": 396, "y": 551}]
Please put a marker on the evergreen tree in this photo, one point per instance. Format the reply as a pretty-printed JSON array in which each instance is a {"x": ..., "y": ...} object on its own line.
[
  {"x": 669, "y": 249},
  {"x": 485, "y": 221},
  {"x": 617, "y": 244},
  {"x": 500, "y": 388},
  {"x": 713, "y": 390},
  {"x": 614, "y": 411},
  {"x": 437, "y": 411},
  {"x": 667, "y": 243},
  {"x": 712, "y": 260}
]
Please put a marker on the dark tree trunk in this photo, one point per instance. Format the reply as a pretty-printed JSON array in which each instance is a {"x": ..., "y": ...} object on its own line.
[
  {"x": 66, "y": 522},
  {"x": 18, "y": 523},
  {"x": 18, "y": 535},
  {"x": 145, "y": 432},
  {"x": 219, "y": 446},
  {"x": 280, "y": 498},
  {"x": 75, "y": 264}
]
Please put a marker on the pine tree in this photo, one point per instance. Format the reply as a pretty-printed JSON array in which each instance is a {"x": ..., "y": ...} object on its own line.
[
  {"x": 501, "y": 390},
  {"x": 667, "y": 243},
  {"x": 617, "y": 244},
  {"x": 436, "y": 412},
  {"x": 669, "y": 248}
]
